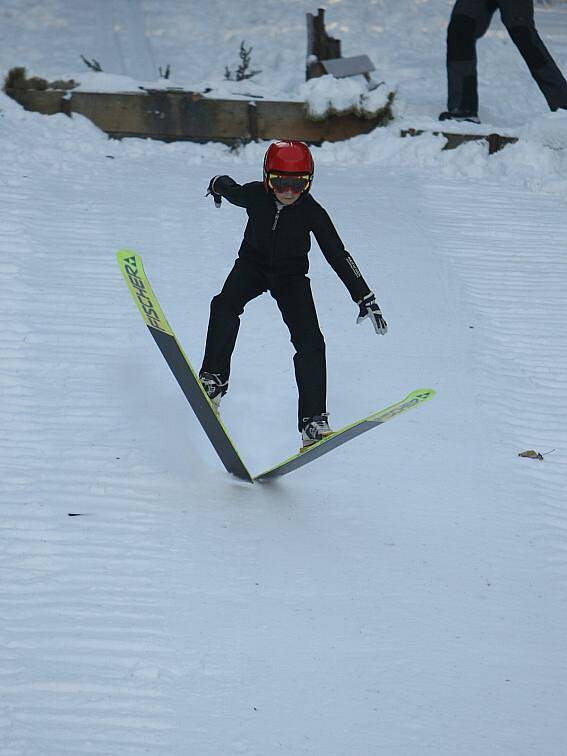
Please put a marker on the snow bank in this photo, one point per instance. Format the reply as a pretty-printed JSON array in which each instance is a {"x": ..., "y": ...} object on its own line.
[
  {"x": 326, "y": 96},
  {"x": 393, "y": 601},
  {"x": 538, "y": 161},
  {"x": 548, "y": 130}
]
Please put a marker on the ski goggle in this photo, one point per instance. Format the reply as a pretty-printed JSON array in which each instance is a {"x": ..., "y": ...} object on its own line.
[{"x": 282, "y": 182}]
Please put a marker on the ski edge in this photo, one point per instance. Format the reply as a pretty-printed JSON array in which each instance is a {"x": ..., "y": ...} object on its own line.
[{"x": 145, "y": 298}]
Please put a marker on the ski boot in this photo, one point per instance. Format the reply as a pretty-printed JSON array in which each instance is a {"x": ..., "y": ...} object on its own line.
[
  {"x": 214, "y": 387},
  {"x": 459, "y": 115},
  {"x": 314, "y": 429}
]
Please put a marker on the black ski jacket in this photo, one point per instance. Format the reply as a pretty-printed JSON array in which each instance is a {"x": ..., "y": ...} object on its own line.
[{"x": 278, "y": 238}]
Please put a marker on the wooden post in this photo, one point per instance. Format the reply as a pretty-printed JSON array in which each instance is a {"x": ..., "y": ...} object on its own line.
[
  {"x": 313, "y": 67},
  {"x": 320, "y": 46}
]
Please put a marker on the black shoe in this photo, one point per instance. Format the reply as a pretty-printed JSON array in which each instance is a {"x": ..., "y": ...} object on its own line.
[
  {"x": 459, "y": 115},
  {"x": 314, "y": 429},
  {"x": 214, "y": 387}
]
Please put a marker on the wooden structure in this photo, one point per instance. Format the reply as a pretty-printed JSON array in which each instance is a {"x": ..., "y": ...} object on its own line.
[
  {"x": 175, "y": 115},
  {"x": 495, "y": 141},
  {"x": 320, "y": 46},
  {"x": 324, "y": 54},
  {"x": 179, "y": 115}
]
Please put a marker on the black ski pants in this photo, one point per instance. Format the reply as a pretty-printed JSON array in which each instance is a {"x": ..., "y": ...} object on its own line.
[
  {"x": 469, "y": 21},
  {"x": 295, "y": 301}
]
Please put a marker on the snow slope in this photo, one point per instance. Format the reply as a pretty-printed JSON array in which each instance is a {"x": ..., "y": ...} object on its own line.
[{"x": 405, "y": 596}]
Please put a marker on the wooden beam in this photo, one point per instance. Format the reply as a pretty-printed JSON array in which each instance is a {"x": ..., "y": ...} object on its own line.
[
  {"x": 496, "y": 142},
  {"x": 171, "y": 116}
]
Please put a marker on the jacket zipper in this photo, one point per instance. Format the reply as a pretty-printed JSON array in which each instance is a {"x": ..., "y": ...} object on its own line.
[
  {"x": 276, "y": 218},
  {"x": 274, "y": 225}
]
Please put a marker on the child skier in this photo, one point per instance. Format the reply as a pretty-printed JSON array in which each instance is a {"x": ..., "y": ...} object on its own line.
[{"x": 273, "y": 257}]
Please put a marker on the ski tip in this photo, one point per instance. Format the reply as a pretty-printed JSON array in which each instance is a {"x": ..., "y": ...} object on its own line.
[
  {"x": 418, "y": 396},
  {"x": 123, "y": 254},
  {"x": 422, "y": 394}
]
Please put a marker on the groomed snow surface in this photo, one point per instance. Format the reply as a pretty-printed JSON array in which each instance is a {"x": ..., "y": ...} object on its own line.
[{"x": 402, "y": 596}]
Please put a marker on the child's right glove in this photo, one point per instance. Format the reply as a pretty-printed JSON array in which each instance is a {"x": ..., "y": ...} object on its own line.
[
  {"x": 210, "y": 190},
  {"x": 369, "y": 309}
]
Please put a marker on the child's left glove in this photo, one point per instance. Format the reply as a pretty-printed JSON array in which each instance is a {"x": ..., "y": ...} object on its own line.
[{"x": 369, "y": 309}]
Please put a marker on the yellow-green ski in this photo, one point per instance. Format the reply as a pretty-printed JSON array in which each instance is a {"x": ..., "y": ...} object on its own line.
[
  {"x": 346, "y": 434},
  {"x": 185, "y": 375},
  {"x": 154, "y": 317}
]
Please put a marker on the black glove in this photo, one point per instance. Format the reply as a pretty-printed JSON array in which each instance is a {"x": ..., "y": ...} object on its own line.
[
  {"x": 369, "y": 309},
  {"x": 217, "y": 197}
]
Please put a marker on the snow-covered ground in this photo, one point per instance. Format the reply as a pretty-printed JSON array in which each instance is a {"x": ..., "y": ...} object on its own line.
[{"x": 403, "y": 596}]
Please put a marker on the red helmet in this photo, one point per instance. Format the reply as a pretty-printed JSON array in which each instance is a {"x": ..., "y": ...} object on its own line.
[{"x": 289, "y": 156}]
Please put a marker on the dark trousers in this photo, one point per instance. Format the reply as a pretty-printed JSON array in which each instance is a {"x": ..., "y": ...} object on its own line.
[
  {"x": 295, "y": 301},
  {"x": 469, "y": 21}
]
